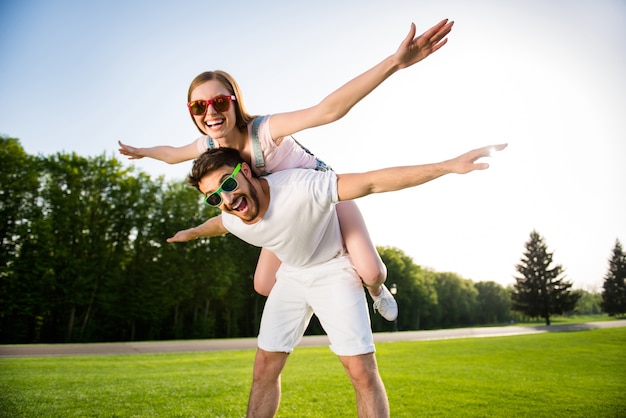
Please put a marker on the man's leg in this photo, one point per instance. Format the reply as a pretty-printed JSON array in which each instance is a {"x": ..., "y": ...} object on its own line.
[
  {"x": 265, "y": 392},
  {"x": 371, "y": 397}
]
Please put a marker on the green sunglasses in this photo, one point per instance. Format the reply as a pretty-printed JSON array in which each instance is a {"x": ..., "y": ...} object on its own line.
[{"x": 228, "y": 185}]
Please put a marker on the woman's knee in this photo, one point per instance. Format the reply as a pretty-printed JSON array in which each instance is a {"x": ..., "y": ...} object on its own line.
[
  {"x": 374, "y": 275},
  {"x": 263, "y": 284}
]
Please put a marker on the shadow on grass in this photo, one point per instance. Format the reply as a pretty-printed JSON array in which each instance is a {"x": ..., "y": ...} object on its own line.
[{"x": 566, "y": 327}]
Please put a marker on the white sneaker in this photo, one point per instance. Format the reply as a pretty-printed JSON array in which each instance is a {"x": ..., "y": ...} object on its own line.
[{"x": 386, "y": 305}]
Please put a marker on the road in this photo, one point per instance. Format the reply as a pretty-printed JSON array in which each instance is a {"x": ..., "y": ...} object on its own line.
[{"x": 187, "y": 346}]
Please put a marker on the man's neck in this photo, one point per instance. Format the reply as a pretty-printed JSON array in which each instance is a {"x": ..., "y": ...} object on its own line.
[{"x": 264, "y": 196}]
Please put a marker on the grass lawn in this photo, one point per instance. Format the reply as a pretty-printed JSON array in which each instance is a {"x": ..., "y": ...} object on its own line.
[
  {"x": 564, "y": 374},
  {"x": 571, "y": 319}
]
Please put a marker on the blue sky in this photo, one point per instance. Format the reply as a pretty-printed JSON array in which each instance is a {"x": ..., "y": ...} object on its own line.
[{"x": 546, "y": 76}]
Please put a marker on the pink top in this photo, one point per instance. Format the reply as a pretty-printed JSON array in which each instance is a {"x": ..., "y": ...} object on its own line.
[{"x": 287, "y": 154}]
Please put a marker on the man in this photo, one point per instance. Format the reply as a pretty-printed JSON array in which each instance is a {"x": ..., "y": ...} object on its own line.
[{"x": 292, "y": 213}]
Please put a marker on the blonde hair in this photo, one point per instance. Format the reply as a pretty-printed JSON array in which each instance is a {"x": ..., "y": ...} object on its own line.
[{"x": 243, "y": 118}]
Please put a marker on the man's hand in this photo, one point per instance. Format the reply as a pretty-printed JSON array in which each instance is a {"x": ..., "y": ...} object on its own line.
[
  {"x": 211, "y": 228},
  {"x": 183, "y": 236},
  {"x": 466, "y": 163}
]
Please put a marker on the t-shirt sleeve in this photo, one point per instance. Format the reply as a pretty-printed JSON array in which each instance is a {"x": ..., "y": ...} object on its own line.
[
  {"x": 287, "y": 154},
  {"x": 265, "y": 136},
  {"x": 329, "y": 185},
  {"x": 320, "y": 186}
]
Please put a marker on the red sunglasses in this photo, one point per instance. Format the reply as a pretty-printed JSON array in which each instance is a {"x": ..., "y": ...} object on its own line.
[{"x": 219, "y": 103}]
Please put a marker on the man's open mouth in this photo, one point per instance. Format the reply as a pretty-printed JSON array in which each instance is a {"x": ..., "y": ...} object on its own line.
[{"x": 240, "y": 204}]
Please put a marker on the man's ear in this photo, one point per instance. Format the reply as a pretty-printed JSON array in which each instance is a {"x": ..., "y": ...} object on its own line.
[{"x": 246, "y": 170}]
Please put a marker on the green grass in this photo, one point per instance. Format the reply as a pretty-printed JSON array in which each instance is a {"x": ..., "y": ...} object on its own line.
[
  {"x": 564, "y": 374},
  {"x": 571, "y": 319}
]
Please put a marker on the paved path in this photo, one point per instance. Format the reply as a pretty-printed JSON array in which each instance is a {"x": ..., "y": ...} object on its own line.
[{"x": 186, "y": 346}]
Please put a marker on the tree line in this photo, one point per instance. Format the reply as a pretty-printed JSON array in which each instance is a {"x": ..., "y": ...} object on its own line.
[{"x": 84, "y": 259}]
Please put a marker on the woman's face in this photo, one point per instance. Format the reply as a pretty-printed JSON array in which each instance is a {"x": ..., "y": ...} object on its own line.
[{"x": 213, "y": 123}]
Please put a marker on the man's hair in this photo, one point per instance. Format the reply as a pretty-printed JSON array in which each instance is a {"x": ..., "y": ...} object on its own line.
[{"x": 212, "y": 160}]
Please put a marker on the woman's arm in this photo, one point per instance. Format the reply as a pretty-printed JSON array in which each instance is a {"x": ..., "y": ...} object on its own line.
[
  {"x": 168, "y": 154},
  {"x": 339, "y": 103}
]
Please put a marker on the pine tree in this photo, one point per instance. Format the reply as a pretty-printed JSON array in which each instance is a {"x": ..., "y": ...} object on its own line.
[
  {"x": 614, "y": 293},
  {"x": 541, "y": 290}
]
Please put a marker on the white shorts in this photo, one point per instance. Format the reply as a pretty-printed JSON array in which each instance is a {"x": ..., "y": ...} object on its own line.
[{"x": 333, "y": 292}]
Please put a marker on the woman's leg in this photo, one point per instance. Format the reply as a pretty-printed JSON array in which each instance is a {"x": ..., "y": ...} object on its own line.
[
  {"x": 365, "y": 258},
  {"x": 265, "y": 274}
]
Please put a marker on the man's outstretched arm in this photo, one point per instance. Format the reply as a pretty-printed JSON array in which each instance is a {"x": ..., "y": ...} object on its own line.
[
  {"x": 211, "y": 228},
  {"x": 353, "y": 186}
]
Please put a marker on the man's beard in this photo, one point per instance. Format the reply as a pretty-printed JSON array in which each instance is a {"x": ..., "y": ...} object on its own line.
[{"x": 253, "y": 204}]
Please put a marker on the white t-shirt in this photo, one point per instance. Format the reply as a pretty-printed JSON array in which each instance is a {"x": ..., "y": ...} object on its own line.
[
  {"x": 288, "y": 154},
  {"x": 300, "y": 225}
]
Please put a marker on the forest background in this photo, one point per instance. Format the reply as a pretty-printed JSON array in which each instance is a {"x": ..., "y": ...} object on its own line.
[{"x": 84, "y": 259}]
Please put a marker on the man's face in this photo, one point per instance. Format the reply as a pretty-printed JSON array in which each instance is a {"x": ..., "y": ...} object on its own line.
[{"x": 243, "y": 201}]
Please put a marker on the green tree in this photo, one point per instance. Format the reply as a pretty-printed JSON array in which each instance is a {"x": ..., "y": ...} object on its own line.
[
  {"x": 457, "y": 299},
  {"x": 87, "y": 206},
  {"x": 416, "y": 295},
  {"x": 590, "y": 303},
  {"x": 85, "y": 258},
  {"x": 541, "y": 290},
  {"x": 210, "y": 279},
  {"x": 197, "y": 289},
  {"x": 19, "y": 297},
  {"x": 18, "y": 190},
  {"x": 132, "y": 300},
  {"x": 614, "y": 287},
  {"x": 493, "y": 303}
]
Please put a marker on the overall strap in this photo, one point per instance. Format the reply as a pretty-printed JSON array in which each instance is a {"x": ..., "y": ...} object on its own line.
[
  {"x": 257, "y": 152},
  {"x": 209, "y": 143}
]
